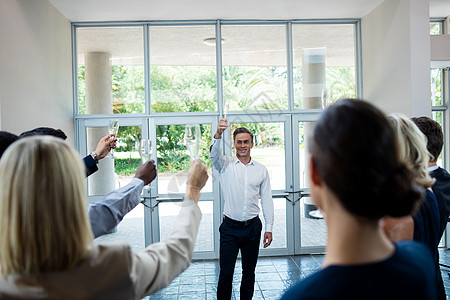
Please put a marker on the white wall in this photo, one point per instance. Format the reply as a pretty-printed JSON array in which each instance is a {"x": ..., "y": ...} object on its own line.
[
  {"x": 35, "y": 67},
  {"x": 396, "y": 57}
]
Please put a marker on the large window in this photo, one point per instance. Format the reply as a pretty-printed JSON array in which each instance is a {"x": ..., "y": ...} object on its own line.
[
  {"x": 324, "y": 64},
  {"x": 183, "y": 68},
  {"x": 110, "y": 70},
  {"x": 439, "y": 103},
  {"x": 254, "y": 67},
  {"x": 156, "y": 77}
]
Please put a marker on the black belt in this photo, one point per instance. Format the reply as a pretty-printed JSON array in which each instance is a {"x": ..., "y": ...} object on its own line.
[{"x": 243, "y": 223}]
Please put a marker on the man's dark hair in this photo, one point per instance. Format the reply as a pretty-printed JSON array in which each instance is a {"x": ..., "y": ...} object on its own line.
[
  {"x": 45, "y": 131},
  {"x": 433, "y": 131},
  {"x": 242, "y": 130},
  {"x": 6, "y": 139}
]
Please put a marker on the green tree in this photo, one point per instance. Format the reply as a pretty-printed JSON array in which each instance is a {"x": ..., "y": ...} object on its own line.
[{"x": 341, "y": 83}]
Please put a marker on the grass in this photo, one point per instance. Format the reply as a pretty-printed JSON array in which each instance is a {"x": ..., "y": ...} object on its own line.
[{"x": 126, "y": 166}]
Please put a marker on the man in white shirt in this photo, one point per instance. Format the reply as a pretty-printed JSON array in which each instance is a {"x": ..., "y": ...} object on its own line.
[{"x": 243, "y": 182}]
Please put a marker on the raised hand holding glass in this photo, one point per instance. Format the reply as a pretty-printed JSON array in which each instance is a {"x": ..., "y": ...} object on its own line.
[{"x": 113, "y": 129}]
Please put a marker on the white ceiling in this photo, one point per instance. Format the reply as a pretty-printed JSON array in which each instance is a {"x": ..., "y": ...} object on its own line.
[{"x": 119, "y": 10}]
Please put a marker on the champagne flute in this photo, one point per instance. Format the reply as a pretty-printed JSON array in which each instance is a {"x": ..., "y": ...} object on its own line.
[
  {"x": 226, "y": 107},
  {"x": 145, "y": 150},
  {"x": 193, "y": 140},
  {"x": 113, "y": 129}
]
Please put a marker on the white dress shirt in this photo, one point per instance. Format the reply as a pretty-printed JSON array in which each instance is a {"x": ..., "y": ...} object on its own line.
[
  {"x": 432, "y": 168},
  {"x": 242, "y": 187}
]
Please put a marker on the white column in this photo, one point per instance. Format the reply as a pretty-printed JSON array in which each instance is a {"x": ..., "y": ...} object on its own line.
[
  {"x": 314, "y": 82},
  {"x": 98, "y": 76},
  {"x": 396, "y": 57},
  {"x": 314, "y": 91}
]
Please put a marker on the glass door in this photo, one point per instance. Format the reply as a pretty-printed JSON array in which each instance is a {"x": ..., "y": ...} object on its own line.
[
  {"x": 309, "y": 226},
  {"x": 272, "y": 148},
  {"x": 167, "y": 191},
  {"x": 115, "y": 173}
]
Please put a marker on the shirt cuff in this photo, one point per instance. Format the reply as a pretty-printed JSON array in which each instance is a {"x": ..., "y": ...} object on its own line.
[
  {"x": 137, "y": 181},
  {"x": 269, "y": 227}
]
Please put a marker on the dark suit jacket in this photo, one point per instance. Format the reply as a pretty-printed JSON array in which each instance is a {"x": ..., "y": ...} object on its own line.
[
  {"x": 441, "y": 189},
  {"x": 91, "y": 166}
]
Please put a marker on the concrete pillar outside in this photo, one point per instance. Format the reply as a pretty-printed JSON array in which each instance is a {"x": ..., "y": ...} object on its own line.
[
  {"x": 314, "y": 92},
  {"x": 99, "y": 101},
  {"x": 314, "y": 87},
  {"x": 314, "y": 83}
]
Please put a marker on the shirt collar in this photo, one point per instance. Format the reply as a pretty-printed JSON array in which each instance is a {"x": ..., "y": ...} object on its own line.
[
  {"x": 431, "y": 169},
  {"x": 236, "y": 161}
]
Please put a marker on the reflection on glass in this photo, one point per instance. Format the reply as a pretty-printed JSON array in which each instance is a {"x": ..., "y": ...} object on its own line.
[
  {"x": 174, "y": 159},
  {"x": 334, "y": 69},
  {"x": 313, "y": 227},
  {"x": 110, "y": 62},
  {"x": 168, "y": 212},
  {"x": 254, "y": 67},
  {"x": 268, "y": 149},
  {"x": 183, "y": 68}
]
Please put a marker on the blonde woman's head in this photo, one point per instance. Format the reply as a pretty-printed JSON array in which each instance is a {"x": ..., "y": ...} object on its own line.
[
  {"x": 43, "y": 207},
  {"x": 412, "y": 148}
]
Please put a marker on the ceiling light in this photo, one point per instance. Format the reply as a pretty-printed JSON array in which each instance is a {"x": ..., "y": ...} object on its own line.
[{"x": 211, "y": 41}]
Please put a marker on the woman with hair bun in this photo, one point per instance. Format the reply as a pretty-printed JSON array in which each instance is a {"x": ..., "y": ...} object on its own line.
[{"x": 356, "y": 179}]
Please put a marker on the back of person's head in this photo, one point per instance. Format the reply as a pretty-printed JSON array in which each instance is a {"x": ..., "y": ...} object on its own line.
[
  {"x": 413, "y": 148},
  {"x": 45, "y": 131},
  {"x": 433, "y": 132},
  {"x": 6, "y": 139},
  {"x": 242, "y": 130},
  {"x": 43, "y": 207},
  {"x": 354, "y": 149}
]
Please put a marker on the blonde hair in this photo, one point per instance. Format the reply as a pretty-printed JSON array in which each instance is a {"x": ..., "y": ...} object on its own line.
[
  {"x": 43, "y": 208},
  {"x": 413, "y": 148}
]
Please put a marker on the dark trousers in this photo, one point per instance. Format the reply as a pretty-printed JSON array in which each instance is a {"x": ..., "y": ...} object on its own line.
[{"x": 233, "y": 237}]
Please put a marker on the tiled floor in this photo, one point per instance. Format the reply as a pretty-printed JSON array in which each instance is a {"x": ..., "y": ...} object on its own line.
[{"x": 273, "y": 276}]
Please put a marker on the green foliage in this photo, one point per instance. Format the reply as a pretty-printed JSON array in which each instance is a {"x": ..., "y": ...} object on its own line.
[
  {"x": 194, "y": 89},
  {"x": 265, "y": 134},
  {"x": 128, "y": 85},
  {"x": 436, "y": 86},
  {"x": 341, "y": 83},
  {"x": 435, "y": 28},
  {"x": 81, "y": 90},
  {"x": 172, "y": 154},
  {"x": 183, "y": 88},
  {"x": 126, "y": 166},
  {"x": 254, "y": 88},
  {"x": 131, "y": 135}
]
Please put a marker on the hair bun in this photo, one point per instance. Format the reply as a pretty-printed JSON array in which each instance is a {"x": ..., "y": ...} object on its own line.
[{"x": 403, "y": 194}]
